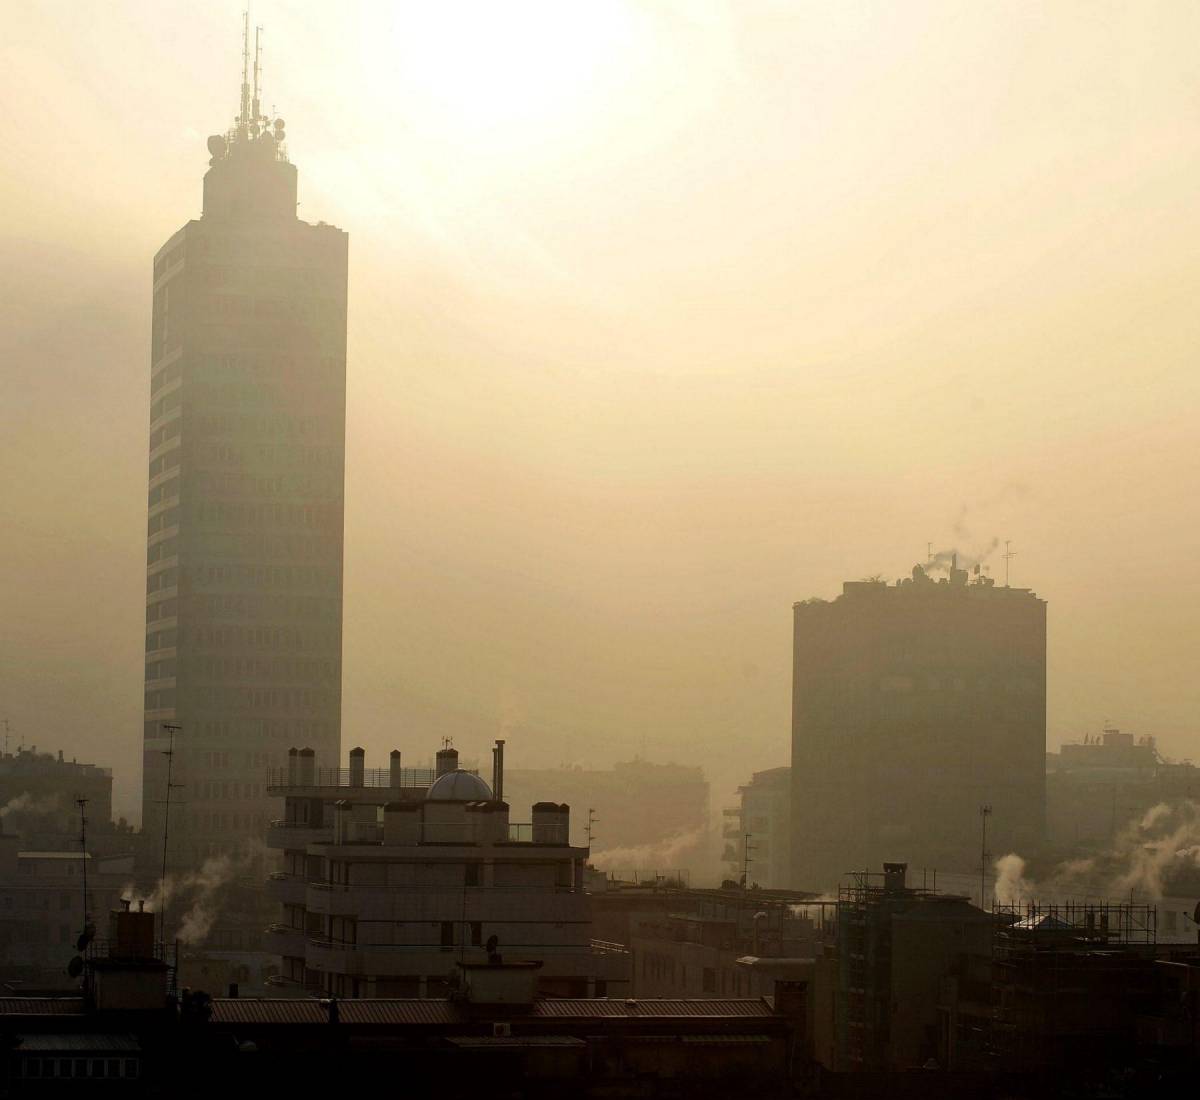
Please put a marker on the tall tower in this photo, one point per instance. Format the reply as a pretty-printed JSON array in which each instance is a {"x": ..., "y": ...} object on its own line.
[
  {"x": 245, "y": 507},
  {"x": 913, "y": 706}
]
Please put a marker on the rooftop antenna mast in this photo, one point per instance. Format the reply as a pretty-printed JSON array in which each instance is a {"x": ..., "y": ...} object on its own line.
[
  {"x": 169, "y": 753},
  {"x": 82, "y": 804},
  {"x": 257, "y": 108},
  {"x": 1008, "y": 555},
  {"x": 244, "y": 113},
  {"x": 985, "y": 811}
]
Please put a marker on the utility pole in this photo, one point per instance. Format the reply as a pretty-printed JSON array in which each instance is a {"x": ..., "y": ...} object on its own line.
[
  {"x": 169, "y": 753},
  {"x": 985, "y": 811}
]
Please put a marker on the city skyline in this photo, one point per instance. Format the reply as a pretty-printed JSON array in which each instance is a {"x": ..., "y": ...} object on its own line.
[{"x": 603, "y": 433}]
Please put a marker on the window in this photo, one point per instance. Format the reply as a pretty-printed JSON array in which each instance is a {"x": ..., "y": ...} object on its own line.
[
  {"x": 709, "y": 980},
  {"x": 476, "y": 933},
  {"x": 447, "y": 935}
]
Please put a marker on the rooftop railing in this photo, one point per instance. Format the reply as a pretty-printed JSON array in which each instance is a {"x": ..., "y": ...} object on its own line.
[{"x": 342, "y": 777}]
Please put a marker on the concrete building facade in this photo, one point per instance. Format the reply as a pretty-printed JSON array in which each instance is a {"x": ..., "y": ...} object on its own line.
[
  {"x": 759, "y": 826},
  {"x": 245, "y": 505},
  {"x": 913, "y": 706},
  {"x": 394, "y": 877}
]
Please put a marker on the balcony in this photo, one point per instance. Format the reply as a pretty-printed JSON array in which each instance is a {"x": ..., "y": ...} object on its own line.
[
  {"x": 286, "y": 889},
  {"x": 293, "y": 836},
  {"x": 283, "y": 939}
]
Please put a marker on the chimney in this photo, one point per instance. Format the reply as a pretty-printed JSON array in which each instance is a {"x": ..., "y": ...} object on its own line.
[
  {"x": 395, "y": 772},
  {"x": 306, "y": 768},
  {"x": 293, "y": 766},
  {"x": 358, "y": 767},
  {"x": 498, "y": 771},
  {"x": 447, "y": 761},
  {"x": 551, "y": 823}
]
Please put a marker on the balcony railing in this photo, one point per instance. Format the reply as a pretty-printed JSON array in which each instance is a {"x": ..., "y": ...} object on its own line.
[
  {"x": 459, "y": 832},
  {"x": 342, "y": 777}
]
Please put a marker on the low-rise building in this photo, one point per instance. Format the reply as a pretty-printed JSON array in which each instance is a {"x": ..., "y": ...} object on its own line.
[
  {"x": 42, "y": 909},
  {"x": 392, "y": 878}
]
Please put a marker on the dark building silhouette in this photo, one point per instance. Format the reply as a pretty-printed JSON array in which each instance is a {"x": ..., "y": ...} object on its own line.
[
  {"x": 913, "y": 706},
  {"x": 247, "y": 452}
]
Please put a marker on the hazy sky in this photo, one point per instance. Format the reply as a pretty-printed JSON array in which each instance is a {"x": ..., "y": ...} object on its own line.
[{"x": 662, "y": 316}]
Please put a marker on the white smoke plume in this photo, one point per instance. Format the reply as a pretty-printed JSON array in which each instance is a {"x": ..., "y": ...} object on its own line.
[
  {"x": 28, "y": 803},
  {"x": 201, "y": 892},
  {"x": 672, "y": 853},
  {"x": 1011, "y": 884},
  {"x": 1140, "y": 862}
]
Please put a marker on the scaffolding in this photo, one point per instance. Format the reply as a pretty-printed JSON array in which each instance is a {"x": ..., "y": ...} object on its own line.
[{"x": 1068, "y": 978}]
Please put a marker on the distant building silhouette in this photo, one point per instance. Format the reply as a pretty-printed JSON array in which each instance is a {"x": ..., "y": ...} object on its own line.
[
  {"x": 913, "y": 705},
  {"x": 247, "y": 453}
]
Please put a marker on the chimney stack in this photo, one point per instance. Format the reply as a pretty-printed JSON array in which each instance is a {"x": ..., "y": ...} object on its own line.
[
  {"x": 358, "y": 767},
  {"x": 395, "y": 772},
  {"x": 306, "y": 768},
  {"x": 498, "y": 771}
]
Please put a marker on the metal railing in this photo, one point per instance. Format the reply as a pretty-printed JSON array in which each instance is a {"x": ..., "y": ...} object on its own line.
[{"x": 343, "y": 777}]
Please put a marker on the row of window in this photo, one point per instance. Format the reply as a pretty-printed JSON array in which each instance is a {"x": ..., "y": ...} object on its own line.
[
  {"x": 262, "y": 576},
  {"x": 210, "y": 759},
  {"x": 287, "y": 732},
  {"x": 91, "y": 1068},
  {"x": 262, "y": 698},
  {"x": 233, "y": 638},
  {"x": 235, "y": 514},
  {"x": 282, "y": 456},
  {"x": 262, "y": 427},
  {"x": 249, "y": 668},
  {"x": 258, "y": 606}
]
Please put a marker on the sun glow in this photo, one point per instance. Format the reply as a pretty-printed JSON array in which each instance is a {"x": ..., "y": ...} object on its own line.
[{"x": 500, "y": 73}]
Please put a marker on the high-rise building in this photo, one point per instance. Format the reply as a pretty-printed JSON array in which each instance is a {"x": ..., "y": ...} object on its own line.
[
  {"x": 247, "y": 453},
  {"x": 915, "y": 707}
]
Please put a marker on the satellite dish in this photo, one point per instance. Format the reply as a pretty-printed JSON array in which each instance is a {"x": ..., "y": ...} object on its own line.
[
  {"x": 279, "y": 124},
  {"x": 75, "y": 967},
  {"x": 216, "y": 145}
]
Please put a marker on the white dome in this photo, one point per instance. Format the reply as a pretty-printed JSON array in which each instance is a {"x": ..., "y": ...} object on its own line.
[{"x": 459, "y": 786}]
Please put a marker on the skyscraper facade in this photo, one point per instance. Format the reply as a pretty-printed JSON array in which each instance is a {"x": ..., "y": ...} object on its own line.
[
  {"x": 914, "y": 707},
  {"x": 245, "y": 508}
]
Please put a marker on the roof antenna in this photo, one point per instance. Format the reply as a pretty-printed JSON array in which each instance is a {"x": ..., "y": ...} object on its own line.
[
  {"x": 244, "y": 115},
  {"x": 257, "y": 71},
  {"x": 1008, "y": 556}
]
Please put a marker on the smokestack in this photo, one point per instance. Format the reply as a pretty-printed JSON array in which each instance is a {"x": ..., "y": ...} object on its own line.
[
  {"x": 358, "y": 767},
  {"x": 498, "y": 771},
  {"x": 395, "y": 772},
  {"x": 447, "y": 761}
]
